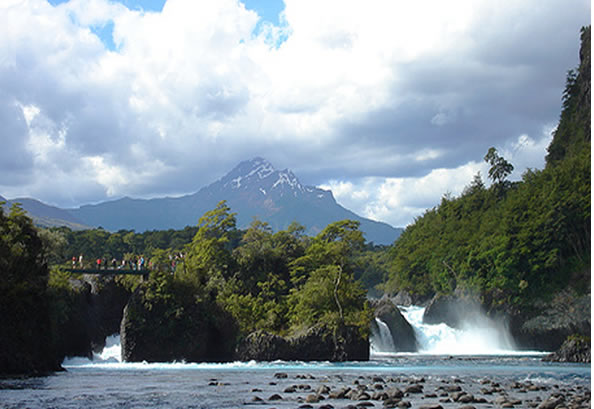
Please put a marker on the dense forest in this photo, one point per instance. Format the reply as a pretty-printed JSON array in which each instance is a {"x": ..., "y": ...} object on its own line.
[{"x": 511, "y": 242}]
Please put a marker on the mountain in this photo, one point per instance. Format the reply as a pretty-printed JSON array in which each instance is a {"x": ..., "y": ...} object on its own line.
[
  {"x": 254, "y": 188},
  {"x": 45, "y": 215}
]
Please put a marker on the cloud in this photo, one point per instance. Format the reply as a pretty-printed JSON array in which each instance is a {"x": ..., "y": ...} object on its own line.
[
  {"x": 398, "y": 201},
  {"x": 376, "y": 100}
]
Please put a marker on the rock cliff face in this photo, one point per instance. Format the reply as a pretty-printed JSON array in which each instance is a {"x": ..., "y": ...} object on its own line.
[
  {"x": 318, "y": 343},
  {"x": 403, "y": 333},
  {"x": 546, "y": 325},
  {"x": 193, "y": 332},
  {"x": 86, "y": 314}
]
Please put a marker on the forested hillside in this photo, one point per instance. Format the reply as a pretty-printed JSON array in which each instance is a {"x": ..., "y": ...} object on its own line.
[{"x": 511, "y": 242}]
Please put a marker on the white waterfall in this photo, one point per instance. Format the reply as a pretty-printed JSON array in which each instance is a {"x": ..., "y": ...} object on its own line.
[
  {"x": 382, "y": 340},
  {"x": 481, "y": 336},
  {"x": 112, "y": 352}
]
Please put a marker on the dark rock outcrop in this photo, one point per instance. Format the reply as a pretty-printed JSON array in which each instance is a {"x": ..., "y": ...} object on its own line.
[
  {"x": 406, "y": 299},
  {"x": 263, "y": 346},
  {"x": 403, "y": 334},
  {"x": 545, "y": 325},
  {"x": 318, "y": 343},
  {"x": 85, "y": 312},
  {"x": 451, "y": 310},
  {"x": 106, "y": 310},
  {"x": 177, "y": 330},
  {"x": 575, "y": 349}
]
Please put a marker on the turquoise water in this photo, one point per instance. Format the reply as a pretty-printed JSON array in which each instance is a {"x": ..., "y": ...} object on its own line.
[{"x": 87, "y": 384}]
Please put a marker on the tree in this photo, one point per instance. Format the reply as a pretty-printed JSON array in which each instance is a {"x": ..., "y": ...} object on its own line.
[
  {"x": 500, "y": 168},
  {"x": 210, "y": 252}
]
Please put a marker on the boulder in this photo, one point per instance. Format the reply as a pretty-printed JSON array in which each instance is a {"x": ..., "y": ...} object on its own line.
[
  {"x": 575, "y": 349},
  {"x": 403, "y": 334},
  {"x": 451, "y": 310},
  {"x": 318, "y": 343}
]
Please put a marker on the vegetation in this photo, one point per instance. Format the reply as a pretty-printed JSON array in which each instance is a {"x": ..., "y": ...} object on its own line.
[
  {"x": 26, "y": 344},
  {"x": 512, "y": 242}
]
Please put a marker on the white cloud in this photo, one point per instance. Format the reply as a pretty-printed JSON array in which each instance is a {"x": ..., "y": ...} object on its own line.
[{"x": 371, "y": 95}]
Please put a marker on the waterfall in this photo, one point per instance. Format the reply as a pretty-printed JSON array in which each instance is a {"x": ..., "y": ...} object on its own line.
[
  {"x": 381, "y": 339},
  {"x": 482, "y": 336},
  {"x": 111, "y": 354}
]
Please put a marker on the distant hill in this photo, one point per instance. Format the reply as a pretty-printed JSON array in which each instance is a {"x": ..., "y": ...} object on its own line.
[
  {"x": 254, "y": 188},
  {"x": 45, "y": 215}
]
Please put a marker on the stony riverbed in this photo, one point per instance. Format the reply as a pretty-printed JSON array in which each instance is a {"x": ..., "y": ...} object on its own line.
[{"x": 336, "y": 391}]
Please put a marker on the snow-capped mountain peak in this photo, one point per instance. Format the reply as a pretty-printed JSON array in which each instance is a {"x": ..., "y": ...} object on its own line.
[{"x": 259, "y": 175}]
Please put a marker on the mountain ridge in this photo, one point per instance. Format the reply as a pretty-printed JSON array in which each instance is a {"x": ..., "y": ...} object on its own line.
[{"x": 253, "y": 189}]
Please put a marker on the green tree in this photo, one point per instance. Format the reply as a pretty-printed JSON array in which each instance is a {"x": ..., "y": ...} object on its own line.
[
  {"x": 500, "y": 168},
  {"x": 210, "y": 250}
]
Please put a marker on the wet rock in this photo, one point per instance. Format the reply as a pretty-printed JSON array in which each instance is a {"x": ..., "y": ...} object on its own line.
[
  {"x": 379, "y": 396},
  {"x": 323, "y": 390},
  {"x": 339, "y": 394},
  {"x": 395, "y": 393},
  {"x": 312, "y": 398},
  {"x": 466, "y": 398},
  {"x": 281, "y": 375},
  {"x": 290, "y": 389},
  {"x": 415, "y": 388},
  {"x": 274, "y": 397},
  {"x": 450, "y": 310},
  {"x": 403, "y": 334},
  {"x": 365, "y": 405},
  {"x": 551, "y": 403},
  {"x": 363, "y": 396},
  {"x": 574, "y": 349},
  {"x": 431, "y": 406},
  {"x": 391, "y": 403}
]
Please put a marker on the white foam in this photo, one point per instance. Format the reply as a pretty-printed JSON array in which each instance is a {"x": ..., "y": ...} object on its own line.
[{"x": 481, "y": 336}]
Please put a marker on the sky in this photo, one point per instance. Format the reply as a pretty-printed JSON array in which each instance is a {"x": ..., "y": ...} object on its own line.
[{"x": 390, "y": 104}]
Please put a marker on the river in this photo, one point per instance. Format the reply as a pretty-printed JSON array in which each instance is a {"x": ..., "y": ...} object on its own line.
[{"x": 491, "y": 372}]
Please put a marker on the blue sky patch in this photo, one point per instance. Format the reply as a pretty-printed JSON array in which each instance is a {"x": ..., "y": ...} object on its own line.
[{"x": 105, "y": 34}]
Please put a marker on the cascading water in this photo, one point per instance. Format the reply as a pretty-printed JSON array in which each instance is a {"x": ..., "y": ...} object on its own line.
[
  {"x": 482, "y": 336},
  {"x": 111, "y": 354},
  {"x": 381, "y": 339}
]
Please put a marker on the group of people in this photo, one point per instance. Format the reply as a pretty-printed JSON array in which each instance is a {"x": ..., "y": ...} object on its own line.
[{"x": 134, "y": 263}]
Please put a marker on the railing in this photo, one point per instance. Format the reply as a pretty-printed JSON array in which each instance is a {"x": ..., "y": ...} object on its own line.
[{"x": 107, "y": 271}]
